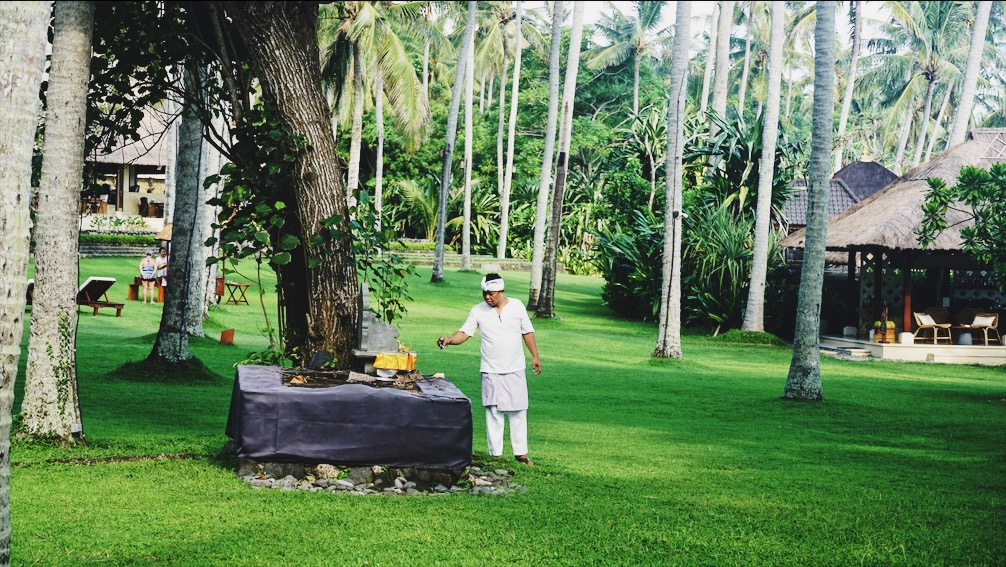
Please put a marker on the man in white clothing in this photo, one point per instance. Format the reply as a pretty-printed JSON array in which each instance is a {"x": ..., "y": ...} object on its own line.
[{"x": 503, "y": 322}]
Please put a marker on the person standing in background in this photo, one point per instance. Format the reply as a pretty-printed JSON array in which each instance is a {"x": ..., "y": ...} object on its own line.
[
  {"x": 162, "y": 267},
  {"x": 147, "y": 269},
  {"x": 503, "y": 323}
]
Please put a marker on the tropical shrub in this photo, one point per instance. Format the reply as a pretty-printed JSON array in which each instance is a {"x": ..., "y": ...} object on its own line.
[{"x": 631, "y": 262}]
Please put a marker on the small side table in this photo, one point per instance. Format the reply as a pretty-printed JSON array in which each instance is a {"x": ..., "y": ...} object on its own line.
[
  {"x": 963, "y": 335},
  {"x": 239, "y": 289}
]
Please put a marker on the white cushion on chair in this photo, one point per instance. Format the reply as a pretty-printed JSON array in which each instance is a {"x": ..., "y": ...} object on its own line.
[
  {"x": 983, "y": 321},
  {"x": 926, "y": 319}
]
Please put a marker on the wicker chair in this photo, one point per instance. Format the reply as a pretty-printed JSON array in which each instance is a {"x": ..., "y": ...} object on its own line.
[
  {"x": 989, "y": 324},
  {"x": 925, "y": 322}
]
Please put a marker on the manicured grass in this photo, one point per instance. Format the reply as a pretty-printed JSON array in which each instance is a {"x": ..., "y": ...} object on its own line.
[{"x": 640, "y": 461}]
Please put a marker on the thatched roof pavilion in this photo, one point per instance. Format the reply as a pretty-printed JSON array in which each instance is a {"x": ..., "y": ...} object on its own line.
[{"x": 885, "y": 223}]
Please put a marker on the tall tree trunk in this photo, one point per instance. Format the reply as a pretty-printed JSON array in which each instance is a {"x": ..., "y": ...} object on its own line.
[
  {"x": 51, "y": 406},
  {"x": 172, "y": 342},
  {"x": 962, "y": 116},
  {"x": 804, "y": 380},
  {"x": 669, "y": 328},
  {"x": 466, "y": 218},
  {"x": 501, "y": 128},
  {"x": 451, "y": 135},
  {"x": 939, "y": 123},
  {"x": 545, "y": 180},
  {"x": 707, "y": 73},
  {"x": 511, "y": 134},
  {"x": 550, "y": 264},
  {"x": 899, "y": 154},
  {"x": 754, "y": 316},
  {"x": 789, "y": 95},
  {"x": 482, "y": 94},
  {"x": 491, "y": 89},
  {"x": 379, "y": 169},
  {"x": 320, "y": 300},
  {"x": 927, "y": 109},
  {"x": 23, "y": 27},
  {"x": 747, "y": 61},
  {"x": 201, "y": 276},
  {"x": 170, "y": 147},
  {"x": 356, "y": 136},
  {"x": 426, "y": 68},
  {"x": 722, "y": 72},
  {"x": 635, "y": 89},
  {"x": 850, "y": 82}
]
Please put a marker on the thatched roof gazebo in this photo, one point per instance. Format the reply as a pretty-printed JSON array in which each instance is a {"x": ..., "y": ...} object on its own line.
[{"x": 885, "y": 223}]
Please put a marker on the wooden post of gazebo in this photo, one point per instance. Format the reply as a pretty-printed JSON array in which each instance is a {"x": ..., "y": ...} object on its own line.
[
  {"x": 878, "y": 281},
  {"x": 906, "y": 287}
]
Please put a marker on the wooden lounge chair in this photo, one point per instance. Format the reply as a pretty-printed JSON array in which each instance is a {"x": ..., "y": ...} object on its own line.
[
  {"x": 93, "y": 293},
  {"x": 987, "y": 323},
  {"x": 925, "y": 321}
]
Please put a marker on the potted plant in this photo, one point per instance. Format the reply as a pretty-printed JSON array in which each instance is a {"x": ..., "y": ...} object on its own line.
[{"x": 888, "y": 333}]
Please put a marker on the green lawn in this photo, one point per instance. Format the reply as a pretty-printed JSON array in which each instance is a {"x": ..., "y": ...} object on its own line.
[{"x": 640, "y": 462}]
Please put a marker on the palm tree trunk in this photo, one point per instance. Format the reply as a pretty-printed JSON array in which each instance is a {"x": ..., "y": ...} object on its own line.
[
  {"x": 707, "y": 74},
  {"x": 482, "y": 94},
  {"x": 199, "y": 276},
  {"x": 426, "y": 68},
  {"x": 50, "y": 406},
  {"x": 356, "y": 139},
  {"x": 545, "y": 179},
  {"x": 850, "y": 83},
  {"x": 170, "y": 139},
  {"x": 722, "y": 71},
  {"x": 754, "y": 316},
  {"x": 899, "y": 154},
  {"x": 546, "y": 298},
  {"x": 804, "y": 379},
  {"x": 451, "y": 135},
  {"x": 511, "y": 135},
  {"x": 747, "y": 61},
  {"x": 501, "y": 127},
  {"x": 635, "y": 89},
  {"x": 924, "y": 124},
  {"x": 466, "y": 219},
  {"x": 379, "y": 171},
  {"x": 939, "y": 123},
  {"x": 789, "y": 95},
  {"x": 669, "y": 329},
  {"x": 23, "y": 27},
  {"x": 963, "y": 114}
]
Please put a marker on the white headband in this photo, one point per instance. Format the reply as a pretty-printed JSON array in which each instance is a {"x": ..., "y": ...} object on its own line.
[{"x": 492, "y": 285}]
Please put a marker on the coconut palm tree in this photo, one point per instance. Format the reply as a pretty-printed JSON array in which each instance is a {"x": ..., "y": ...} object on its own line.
[
  {"x": 856, "y": 19},
  {"x": 636, "y": 37},
  {"x": 721, "y": 72},
  {"x": 50, "y": 406},
  {"x": 450, "y": 137},
  {"x": 546, "y": 298},
  {"x": 924, "y": 45},
  {"x": 804, "y": 379},
  {"x": 369, "y": 36},
  {"x": 511, "y": 133},
  {"x": 22, "y": 61},
  {"x": 545, "y": 181},
  {"x": 962, "y": 116},
  {"x": 754, "y": 315},
  {"x": 669, "y": 330},
  {"x": 466, "y": 228}
]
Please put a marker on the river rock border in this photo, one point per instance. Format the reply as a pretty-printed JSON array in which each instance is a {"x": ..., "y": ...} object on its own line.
[{"x": 377, "y": 480}]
